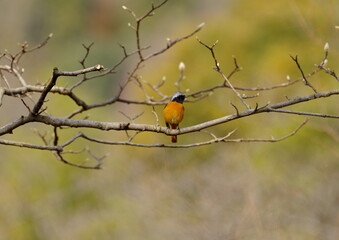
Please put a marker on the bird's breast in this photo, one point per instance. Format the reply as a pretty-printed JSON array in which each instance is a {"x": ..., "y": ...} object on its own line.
[{"x": 174, "y": 113}]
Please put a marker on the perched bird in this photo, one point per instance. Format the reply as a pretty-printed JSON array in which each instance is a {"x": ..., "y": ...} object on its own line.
[{"x": 174, "y": 112}]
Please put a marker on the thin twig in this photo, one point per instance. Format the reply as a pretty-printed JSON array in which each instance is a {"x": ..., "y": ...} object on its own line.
[
  {"x": 171, "y": 43},
  {"x": 328, "y": 71},
  {"x": 87, "y": 49},
  {"x": 29, "y": 145},
  {"x": 322, "y": 115},
  {"x": 62, "y": 159},
  {"x": 25, "y": 48},
  {"x": 218, "y": 69},
  {"x": 198, "y": 144},
  {"x": 156, "y": 116},
  {"x": 56, "y": 74},
  {"x": 2, "y": 93},
  {"x": 54, "y": 121},
  {"x": 306, "y": 82}
]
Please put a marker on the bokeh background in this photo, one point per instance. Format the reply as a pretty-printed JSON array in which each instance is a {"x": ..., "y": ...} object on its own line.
[{"x": 285, "y": 190}]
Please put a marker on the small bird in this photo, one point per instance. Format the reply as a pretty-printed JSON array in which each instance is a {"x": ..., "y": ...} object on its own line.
[{"x": 174, "y": 112}]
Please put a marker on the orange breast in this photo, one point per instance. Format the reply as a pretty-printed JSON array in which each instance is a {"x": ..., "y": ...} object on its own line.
[{"x": 173, "y": 113}]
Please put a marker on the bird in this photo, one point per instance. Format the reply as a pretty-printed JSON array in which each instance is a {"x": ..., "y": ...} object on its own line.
[{"x": 174, "y": 112}]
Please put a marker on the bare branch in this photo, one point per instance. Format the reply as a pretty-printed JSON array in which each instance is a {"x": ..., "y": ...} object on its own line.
[
  {"x": 328, "y": 71},
  {"x": 272, "y": 140},
  {"x": 56, "y": 74},
  {"x": 29, "y": 145},
  {"x": 131, "y": 118},
  {"x": 156, "y": 116},
  {"x": 138, "y": 23},
  {"x": 156, "y": 87},
  {"x": 96, "y": 68},
  {"x": 218, "y": 69},
  {"x": 17, "y": 74},
  {"x": 62, "y": 159},
  {"x": 25, "y": 48},
  {"x": 27, "y": 107},
  {"x": 118, "y": 126},
  {"x": 305, "y": 113},
  {"x": 87, "y": 49},
  {"x": 10, "y": 69},
  {"x": 236, "y": 68},
  {"x": 171, "y": 43},
  {"x": 2, "y": 93},
  {"x": 306, "y": 82},
  {"x": 212, "y": 141},
  {"x": 40, "y": 45}
]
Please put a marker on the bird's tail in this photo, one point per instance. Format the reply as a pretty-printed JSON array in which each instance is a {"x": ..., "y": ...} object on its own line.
[{"x": 174, "y": 138}]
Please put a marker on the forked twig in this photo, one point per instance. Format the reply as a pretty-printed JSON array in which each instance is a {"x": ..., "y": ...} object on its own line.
[
  {"x": 218, "y": 69},
  {"x": 306, "y": 82}
]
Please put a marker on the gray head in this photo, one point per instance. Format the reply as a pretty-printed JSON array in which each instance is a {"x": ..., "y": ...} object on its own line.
[{"x": 178, "y": 97}]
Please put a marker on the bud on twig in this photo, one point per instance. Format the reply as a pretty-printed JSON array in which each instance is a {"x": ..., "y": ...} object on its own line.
[
  {"x": 201, "y": 25},
  {"x": 182, "y": 66},
  {"x": 326, "y": 47},
  {"x": 325, "y": 62}
]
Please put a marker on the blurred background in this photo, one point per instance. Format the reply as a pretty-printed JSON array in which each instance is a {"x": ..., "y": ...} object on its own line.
[{"x": 284, "y": 190}]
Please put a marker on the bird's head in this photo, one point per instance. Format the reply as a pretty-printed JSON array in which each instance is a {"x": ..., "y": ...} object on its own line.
[{"x": 178, "y": 97}]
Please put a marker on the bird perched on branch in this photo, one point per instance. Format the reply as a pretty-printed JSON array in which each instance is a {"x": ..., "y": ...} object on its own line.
[{"x": 174, "y": 112}]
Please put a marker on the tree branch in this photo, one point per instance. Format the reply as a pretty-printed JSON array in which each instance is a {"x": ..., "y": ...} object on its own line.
[
  {"x": 306, "y": 82},
  {"x": 56, "y": 74},
  {"x": 138, "y": 57}
]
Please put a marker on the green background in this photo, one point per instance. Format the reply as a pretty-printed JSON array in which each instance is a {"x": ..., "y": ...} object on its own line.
[{"x": 285, "y": 190}]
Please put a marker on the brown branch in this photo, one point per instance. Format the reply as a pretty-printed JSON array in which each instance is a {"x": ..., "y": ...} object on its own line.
[
  {"x": 29, "y": 145},
  {"x": 218, "y": 69},
  {"x": 58, "y": 150},
  {"x": 56, "y": 74},
  {"x": 40, "y": 45},
  {"x": 328, "y": 71},
  {"x": 131, "y": 128},
  {"x": 62, "y": 159},
  {"x": 156, "y": 88},
  {"x": 131, "y": 119},
  {"x": 58, "y": 153},
  {"x": 272, "y": 140},
  {"x": 2, "y": 93},
  {"x": 87, "y": 50},
  {"x": 211, "y": 48},
  {"x": 96, "y": 68},
  {"x": 198, "y": 144},
  {"x": 25, "y": 48},
  {"x": 122, "y": 126},
  {"x": 171, "y": 43},
  {"x": 13, "y": 71},
  {"x": 138, "y": 21},
  {"x": 236, "y": 68},
  {"x": 306, "y": 82},
  {"x": 131, "y": 76},
  {"x": 305, "y": 113},
  {"x": 8, "y": 129}
]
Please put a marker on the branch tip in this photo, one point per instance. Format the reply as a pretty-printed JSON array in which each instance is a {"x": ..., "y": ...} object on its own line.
[
  {"x": 326, "y": 47},
  {"x": 201, "y": 25}
]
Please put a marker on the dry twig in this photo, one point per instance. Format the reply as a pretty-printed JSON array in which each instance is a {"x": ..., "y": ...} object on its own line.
[{"x": 10, "y": 65}]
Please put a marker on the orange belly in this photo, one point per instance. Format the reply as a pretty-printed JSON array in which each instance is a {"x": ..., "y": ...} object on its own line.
[{"x": 173, "y": 113}]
